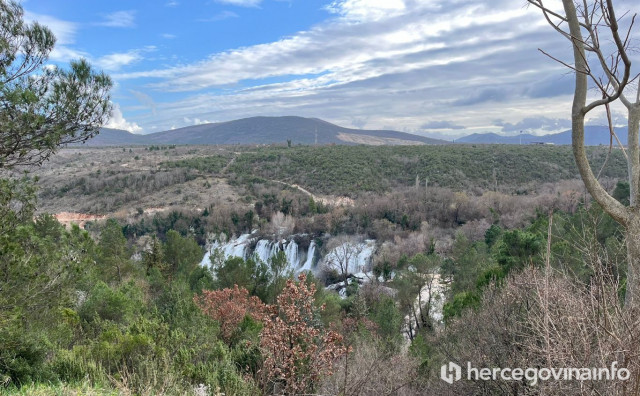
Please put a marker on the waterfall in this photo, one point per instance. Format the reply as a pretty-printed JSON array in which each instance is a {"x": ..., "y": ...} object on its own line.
[
  {"x": 237, "y": 247},
  {"x": 297, "y": 260},
  {"x": 358, "y": 256},
  {"x": 308, "y": 264},
  {"x": 291, "y": 251},
  {"x": 266, "y": 249}
]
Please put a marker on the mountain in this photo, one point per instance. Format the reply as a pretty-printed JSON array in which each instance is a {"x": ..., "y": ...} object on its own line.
[
  {"x": 494, "y": 138},
  {"x": 115, "y": 137},
  {"x": 593, "y": 136},
  {"x": 264, "y": 130}
]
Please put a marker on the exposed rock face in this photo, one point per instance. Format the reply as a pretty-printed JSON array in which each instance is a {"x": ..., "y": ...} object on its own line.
[{"x": 68, "y": 218}]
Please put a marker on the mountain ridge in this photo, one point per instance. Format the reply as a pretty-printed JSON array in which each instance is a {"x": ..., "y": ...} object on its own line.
[
  {"x": 308, "y": 131},
  {"x": 263, "y": 130},
  {"x": 594, "y": 135}
]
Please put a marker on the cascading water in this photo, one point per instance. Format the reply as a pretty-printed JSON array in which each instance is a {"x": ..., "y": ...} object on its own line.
[
  {"x": 263, "y": 251},
  {"x": 357, "y": 255},
  {"x": 291, "y": 252},
  {"x": 237, "y": 247},
  {"x": 266, "y": 249},
  {"x": 297, "y": 259},
  {"x": 308, "y": 264}
]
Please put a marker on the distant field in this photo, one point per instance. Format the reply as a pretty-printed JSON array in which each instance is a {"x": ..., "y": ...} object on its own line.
[
  {"x": 125, "y": 180},
  {"x": 349, "y": 170}
]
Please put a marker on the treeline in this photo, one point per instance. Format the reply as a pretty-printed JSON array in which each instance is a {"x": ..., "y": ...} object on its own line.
[{"x": 434, "y": 213}]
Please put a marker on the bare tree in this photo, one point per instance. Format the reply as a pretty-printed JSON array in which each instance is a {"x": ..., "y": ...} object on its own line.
[
  {"x": 282, "y": 225},
  {"x": 343, "y": 252},
  {"x": 601, "y": 60}
]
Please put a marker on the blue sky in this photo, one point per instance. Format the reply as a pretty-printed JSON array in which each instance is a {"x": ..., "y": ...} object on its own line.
[{"x": 440, "y": 67}]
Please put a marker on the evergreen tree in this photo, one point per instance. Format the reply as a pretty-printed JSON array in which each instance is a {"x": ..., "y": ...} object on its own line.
[
  {"x": 114, "y": 254},
  {"x": 43, "y": 108}
]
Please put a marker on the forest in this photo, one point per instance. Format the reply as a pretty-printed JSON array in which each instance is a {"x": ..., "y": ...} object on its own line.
[
  {"x": 284, "y": 269},
  {"x": 456, "y": 273}
]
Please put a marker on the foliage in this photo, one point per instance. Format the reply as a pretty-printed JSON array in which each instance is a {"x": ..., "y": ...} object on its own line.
[
  {"x": 43, "y": 108},
  {"x": 352, "y": 170},
  {"x": 181, "y": 254},
  {"x": 296, "y": 353},
  {"x": 114, "y": 253},
  {"x": 230, "y": 307},
  {"x": 109, "y": 191}
]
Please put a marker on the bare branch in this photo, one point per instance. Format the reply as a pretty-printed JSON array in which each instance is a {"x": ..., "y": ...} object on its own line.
[{"x": 561, "y": 62}]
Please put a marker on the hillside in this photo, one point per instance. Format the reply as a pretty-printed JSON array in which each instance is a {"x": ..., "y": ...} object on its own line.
[
  {"x": 264, "y": 130},
  {"x": 115, "y": 137},
  {"x": 594, "y": 136},
  {"x": 103, "y": 180},
  {"x": 349, "y": 171}
]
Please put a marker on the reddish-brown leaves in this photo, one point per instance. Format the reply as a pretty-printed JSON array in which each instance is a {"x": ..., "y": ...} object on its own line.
[
  {"x": 296, "y": 352},
  {"x": 229, "y": 307}
]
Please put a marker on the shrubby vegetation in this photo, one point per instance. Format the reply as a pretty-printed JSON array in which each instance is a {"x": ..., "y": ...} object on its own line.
[
  {"x": 352, "y": 170},
  {"x": 115, "y": 190},
  {"x": 130, "y": 309},
  {"x": 127, "y": 308},
  {"x": 533, "y": 273}
]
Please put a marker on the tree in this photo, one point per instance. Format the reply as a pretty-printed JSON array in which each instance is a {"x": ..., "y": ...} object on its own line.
[
  {"x": 230, "y": 307},
  {"x": 595, "y": 29},
  {"x": 153, "y": 257},
  {"x": 114, "y": 253},
  {"x": 278, "y": 272},
  {"x": 42, "y": 108},
  {"x": 343, "y": 252},
  {"x": 297, "y": 352},
  {"x": 182, "y": 254}
]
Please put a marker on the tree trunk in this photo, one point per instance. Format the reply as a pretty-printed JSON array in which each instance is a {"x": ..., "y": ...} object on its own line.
[
  {"x": 627, "y": 217},
  {"x": 634, "y": 154},
  {"x": 632, "y": 296}
]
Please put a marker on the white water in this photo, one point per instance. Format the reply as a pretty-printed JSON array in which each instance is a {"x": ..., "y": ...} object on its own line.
[
  {"x": 266, "y": 249},
  {"x": 308, "y": 264},
  {"x": 237, "y": 247},
  {"x": 357, "y": 255},
  {"x": 438, "y": 290},
  {"x": 297, "y": 260}
]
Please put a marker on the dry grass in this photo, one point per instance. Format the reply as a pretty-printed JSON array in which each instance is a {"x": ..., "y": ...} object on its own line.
[{"x": 95, "y": 164}]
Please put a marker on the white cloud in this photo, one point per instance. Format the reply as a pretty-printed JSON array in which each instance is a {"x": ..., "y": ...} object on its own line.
[
  {"x": 348, "y": 51},
  {"x": 220, "y": 16},
  {"x": 195, "y": 121},
  {"x": 366, "y": 10},
  {"x": 65, "y": 33},
  {"x": 119, "y": 19},
  {"x": 117, "y": 121},
  {"x": 171, "y": 4},
  {"x": 241, "y": 3},
  {"x": 387, "y": 62},
  {"x": 114, "y": 62},
  {"x": 168, "y": 36}
]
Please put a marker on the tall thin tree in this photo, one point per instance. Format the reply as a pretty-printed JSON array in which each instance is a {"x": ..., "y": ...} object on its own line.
[{"x": 602, "y": 46}]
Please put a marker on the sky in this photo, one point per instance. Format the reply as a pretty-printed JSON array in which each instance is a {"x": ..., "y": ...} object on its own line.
[{"x": 443, "y": 68}]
